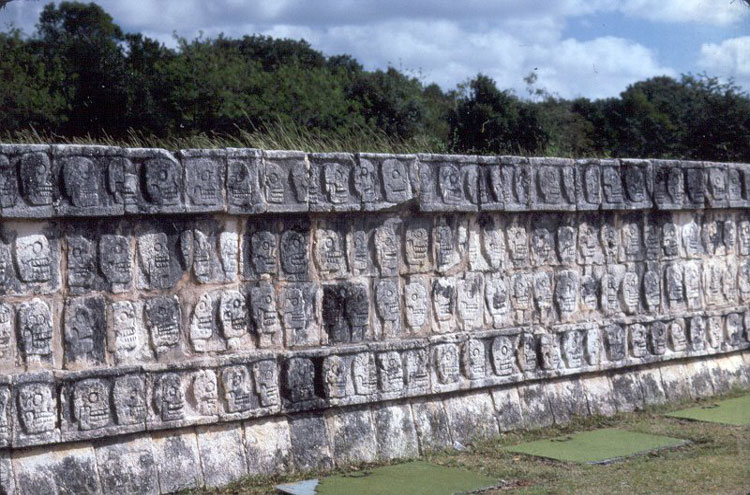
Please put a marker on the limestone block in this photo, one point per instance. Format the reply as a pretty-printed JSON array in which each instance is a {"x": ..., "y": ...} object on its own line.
[
  {"x": 599, "y": 395},
  {"x": 432, "y": 424},
  {"x": 675, "y": 382},
  {"x": 222, "y": 454},
  {"x": 204, "y": 179},
  {"x": 268, "y": 446},
  {"x": 395, "y": 431},
  {"x": 627, "y": 392},
  {"x": 568, "y": 399},
  {"x": 651, "y": 386},
  {"x": 127, "y": 466},
  {"x": 535, "y": 405},
  {"x": 311, "y": 448},
  {"x": 471, "y": 417},
  {"x": 177, "y": 460},
  {"x": 508, "y": 407},
  {"x": 68, "y": 469},
  {"x": 352, "y": 434}
]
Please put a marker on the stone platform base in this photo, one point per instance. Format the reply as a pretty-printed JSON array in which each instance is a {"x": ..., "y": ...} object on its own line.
[{"x": 170, "y": 461}]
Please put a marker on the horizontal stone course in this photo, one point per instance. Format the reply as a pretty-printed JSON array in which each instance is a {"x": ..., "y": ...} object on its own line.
[{"x": 46, "y": 181}]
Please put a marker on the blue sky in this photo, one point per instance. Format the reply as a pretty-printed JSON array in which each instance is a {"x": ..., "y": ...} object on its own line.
[{"x": 591, "y": 48}]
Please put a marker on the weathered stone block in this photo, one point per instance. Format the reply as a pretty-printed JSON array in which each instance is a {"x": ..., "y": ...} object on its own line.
[
  {"x": 269, "y": 446},
  {"x": 69, "y": 469},
  {"x": 222, "y": 454},
  {"x": 536, "y": 407},
  {"x": 395, "y": 431},
  {"x": 352, "y": 434},
  {"x": 432, "y": 425},
  {"x": 471, "y": 417},
  {"x": 311, "y": 448},
  {"x": 177, "y": 460},
  {"x": 127, "y": 466}
]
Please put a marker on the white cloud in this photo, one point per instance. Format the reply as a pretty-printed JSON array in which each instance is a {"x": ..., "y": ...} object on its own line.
[
  {"x": 714, "y": 12},
  {"x": 730, "y": 58}
]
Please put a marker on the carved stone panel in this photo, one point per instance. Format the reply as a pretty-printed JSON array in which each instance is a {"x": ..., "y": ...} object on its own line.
[
  {"x": 85, "y": 331},
  {"x": 34, "y": 321},
  {"x": 244, "y": 193},
  {"x": 163, "y": 320},
  {"x": 204, "y": 180}
]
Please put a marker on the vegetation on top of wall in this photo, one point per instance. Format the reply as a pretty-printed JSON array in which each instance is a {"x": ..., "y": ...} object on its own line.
[{"x": 80, "y": 78}]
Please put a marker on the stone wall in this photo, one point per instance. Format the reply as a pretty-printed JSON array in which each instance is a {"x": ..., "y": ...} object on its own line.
[{"x": 169, "y": 321}]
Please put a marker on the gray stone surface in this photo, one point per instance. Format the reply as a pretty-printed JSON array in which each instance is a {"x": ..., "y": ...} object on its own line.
[
  {"x": 178, "y": 461},
  {"x": 222, "y": 454},
  {"x": 407, "y": 302}
]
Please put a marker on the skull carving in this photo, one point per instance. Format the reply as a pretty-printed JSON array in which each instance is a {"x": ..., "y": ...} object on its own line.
[
  {"x": 202, "y": 254},
  {"x": 91, "y": 404},
  {"x": 417, "y": 246},
  {"x": 205, "y": 392},
  {"x": 630, "y": 292},
  {"x": 549, "y": 185},
  {"x": 635, "y": 183},
  {"x": 8, "y": 184},
  {"x": 395, "y": 181},
  {"x": 122, "y": 180},
  {"x": 81, "y": 264},
  {"x": 242, "y": 183},
  {"x": 717, "y": 183},
  {"x": 386, "y": 250},
  {"x": 263, "y": 252},
  {"x": 365, "y": 374},
  {"x": 518, "y": 244},
  {"x": 677, "y": 339},
  {"x": 336, "y": 181},
  {"x": 549, "y": 352},
  {"x": 335, "y": 377},
  {"x": 37, "y": 183},
  {"x": 169, "y": 399},
  {"x": 300, "y": 379},
  {"x": 360, "y": 251},
  {"x": 566, "y": 244},
  {"x": 155, "y": 259},
  {"x": 503, "y": 355},
  {"x": 566, "y": 293},
  {"x": 474, "y": 359},
  {"x": 203, "y": 181},
  {"x": 129, "y": 397},
  {"x": 233, "y": 315},
  {"x": 449, "y": 181},
  {"x": 294, "y": 314},
  {"x": 235, "y": 381},
  {"x": 493, "y": 245},
  {"x": 652, "y": 290},
  {"x": 527, "y": 355},
  {"x": 443, "y": 298},
  {"x": 163, "y": 181},
  {"x": 658, "y": 338},
  {"x": 542, "y": 243},
  {"x": 592, "y": 349},
  {"x": 697, "y": 333},
  {"x": 469, "y": 302},
  {"x": 294, "y": 259},
  {"x": 266, "y": 376},
  {"x": 329, "y": 252},
  {"x": 496, "y": 298},
  {"x": 446, "y": 363},
  {"x": 33, "y": 258},
  {"x": 6, "y": 329},
  {"x": 390, "y": 372},
  {"x": 614, "y": 342},
  {"x": 35, "y": 325},
  {"x": 264, "y": 313},
  {"x": 670, "y": 240},
  {"x": 163, "y": 321},
  {"x": 386, "y": 299},
  {"x": 229, "y": 251},
  {"x": 81, "y": 181},
  {"x": 417, "y": 375},
  {"x": 125, "y": 326},
  {"x": 675, "y": 185},
  {"x": 357, "y": 311},
  {"x": 202, "y": 322},
  {"x": 114, "y": 258},
  {"x": 37, "y": 408},
  {"x": 638, "y": 345},
  {"x": 366, "y": 180},
  {"x": 572, "y": 345},
  {"x": 715, "y": 331},
  {"x": 612, "y": 185},
  {"x": 276, "y": 182},
  {"x": 415, "y": 299}
]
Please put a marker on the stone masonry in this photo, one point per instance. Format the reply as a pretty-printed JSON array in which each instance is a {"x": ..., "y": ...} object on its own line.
[{"x": 178, "y": 320}]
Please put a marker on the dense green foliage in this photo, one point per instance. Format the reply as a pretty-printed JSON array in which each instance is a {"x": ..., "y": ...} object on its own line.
[{"x": 80, "y": 76}]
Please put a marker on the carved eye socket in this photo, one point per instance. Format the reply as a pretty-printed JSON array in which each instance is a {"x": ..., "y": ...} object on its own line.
[
  {"x": 163, "y": 174},
  {"x": 395, "y": 174},
  {"x": 38, "y": 399},
  {"x": 267, "y": 299},
  {"x": 93, "y": 397}
]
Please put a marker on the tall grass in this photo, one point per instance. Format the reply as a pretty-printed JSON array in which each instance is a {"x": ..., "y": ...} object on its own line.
[{"x": 271, "y": 136}]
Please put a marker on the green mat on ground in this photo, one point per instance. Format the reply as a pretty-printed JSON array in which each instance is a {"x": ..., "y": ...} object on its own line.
[
  {"x": 729, "y": 412},
  {"x": 414, "y": 478},
  {"x": 595, "y": 446}
]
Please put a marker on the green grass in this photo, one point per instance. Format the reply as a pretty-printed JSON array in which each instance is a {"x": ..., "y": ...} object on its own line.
[
  {"x": 601, "y": 445},
  {"x": 714, "y": 462},
  {"x": 731, "y": 412},
  {"x": 414, "y": 478}
]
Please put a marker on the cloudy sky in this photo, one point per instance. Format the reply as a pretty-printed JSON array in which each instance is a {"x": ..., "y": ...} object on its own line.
[{"x": 591, "y": 48}]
